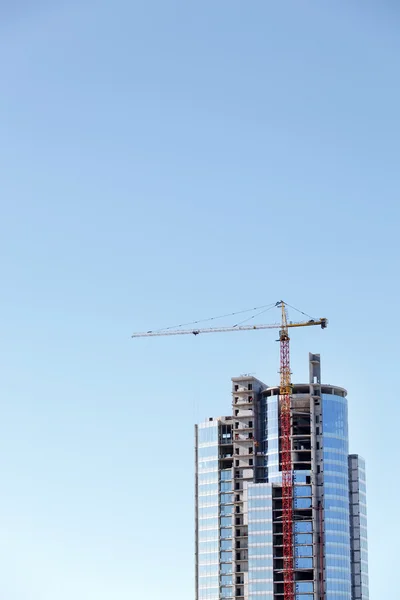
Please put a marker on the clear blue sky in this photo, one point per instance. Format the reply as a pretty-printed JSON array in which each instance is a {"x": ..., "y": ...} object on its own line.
[{"x": 163, "y": 161}]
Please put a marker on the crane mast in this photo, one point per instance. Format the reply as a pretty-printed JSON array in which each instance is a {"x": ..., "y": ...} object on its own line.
[
  {"x": 286, "y": 453},
  {"x": 285, "y": 390}
]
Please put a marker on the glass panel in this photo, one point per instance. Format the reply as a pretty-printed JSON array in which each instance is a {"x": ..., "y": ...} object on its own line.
[
  {"x": 303, "y": 551},
  {"x": 303, "y": 526},
  {"x": 226, "y": 556},
  {"x": 303, "y": 538},
  {"x": 303, "y": 563},
  {"x": 302, "y": 490}
]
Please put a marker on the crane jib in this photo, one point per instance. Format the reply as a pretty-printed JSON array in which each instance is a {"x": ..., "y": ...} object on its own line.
[{"x": 322, "y": 322}]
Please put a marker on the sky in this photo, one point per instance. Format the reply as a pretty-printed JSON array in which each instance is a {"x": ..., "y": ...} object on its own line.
[{"x": 163, "y": 162}]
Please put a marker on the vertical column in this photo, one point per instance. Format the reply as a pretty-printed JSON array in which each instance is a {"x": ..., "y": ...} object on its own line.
[
  {"x": 245, "y": 395},
  {"x": 358, "y": 528},
  {"x": 317, "y": 475}
]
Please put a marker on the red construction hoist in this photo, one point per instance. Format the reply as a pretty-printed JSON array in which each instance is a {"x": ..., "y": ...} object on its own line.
[{"x": 285, "y": 417}]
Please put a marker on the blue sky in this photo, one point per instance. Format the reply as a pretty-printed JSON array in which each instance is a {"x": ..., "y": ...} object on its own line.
[{"x": 163, "y": 162}]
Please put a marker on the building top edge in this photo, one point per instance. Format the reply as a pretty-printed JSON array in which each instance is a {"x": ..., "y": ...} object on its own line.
[
  {"x": 304, "y": 388},
  {"x": 248, "y": 378}
]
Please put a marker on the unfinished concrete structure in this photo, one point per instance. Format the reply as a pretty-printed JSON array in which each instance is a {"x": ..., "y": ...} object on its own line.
[{"x": 239, "y": 545}]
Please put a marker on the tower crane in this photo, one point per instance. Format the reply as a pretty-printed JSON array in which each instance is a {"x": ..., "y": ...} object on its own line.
[{"x": 285, "y": 389}]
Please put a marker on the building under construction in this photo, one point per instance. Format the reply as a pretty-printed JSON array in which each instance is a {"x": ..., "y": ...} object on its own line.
[
  {"x": 261, "y": 534},
  {"x": 280, "y": 503}
]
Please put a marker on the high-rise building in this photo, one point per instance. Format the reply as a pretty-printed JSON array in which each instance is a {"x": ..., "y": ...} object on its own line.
[{"x": 239, "y": 531}]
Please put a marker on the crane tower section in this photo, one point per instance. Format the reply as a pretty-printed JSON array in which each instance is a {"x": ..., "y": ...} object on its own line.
[{"x": 286, "y": 453}]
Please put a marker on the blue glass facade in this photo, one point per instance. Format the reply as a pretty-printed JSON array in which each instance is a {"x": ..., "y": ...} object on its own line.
[
  {"x": 208, "y": 539},
  {"x": 260, "y": 541},
  {"x": 336, "y": 497},
  {"x": 271, "y": 439}
]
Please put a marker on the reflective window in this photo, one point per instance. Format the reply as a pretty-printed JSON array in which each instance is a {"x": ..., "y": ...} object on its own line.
[
  {"x": 304, "y": 587},
  {"x": 302, "y": 490},
  {"x": 303, "y": 538},
  {"x": 226, "y": 509},
  {"x": 226, "y": 592},
  {"x": 226, "y": 556},
  {"x": 208, "y": 434},
  {"x": 226, "y": 532},
  {"x": 261, "y": 586},
  {"x": 303, "y": 526},
  {"x": 303, "y": 563},
  {"x": 226, "y": 486},
  {"x": 226, "y": 545},
  {"x": 226, "y": 568},
  {"x": 207, "y": 452},
  {"x": 226, "y": 498},
  {"x": 302, "y": 502},
  {"x": 303, "y": 551},
  {"x": 259, "y": 563}
]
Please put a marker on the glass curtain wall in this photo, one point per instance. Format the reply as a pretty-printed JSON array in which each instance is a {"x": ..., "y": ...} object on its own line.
[
  {"x": 336, "y": 497},
  {"x": 260, "y": 543},
  {"x": 208, "y": 511}
]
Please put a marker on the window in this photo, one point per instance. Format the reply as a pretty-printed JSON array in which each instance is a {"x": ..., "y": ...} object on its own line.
[
  {"x": 236, "y": 387},
  {"x": 250, "y": 450},
  {"x": 250, "y": 387},
  {"x": 250, "y": 436},
  {"x": 226, "y": 532},
  {"x": 250, "y": 423},
  {"x": 236, "y": 412},
  {"x": 317, "y": 430},
  {"x": 250, "y": 462},
  {"x": 250, "y": 399},
  {"x": 236, "y": 450},
  {"x": 226, "y": 556},
  {"x": 237, "y": 463}
]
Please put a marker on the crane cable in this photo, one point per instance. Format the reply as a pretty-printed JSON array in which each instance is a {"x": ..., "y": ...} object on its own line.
[
  {"x": 254, "y": 316},
  {"x": 299, "y": 311},
  {"x": 240, "y": 312},
  {"x": 262, "y": 309}
]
